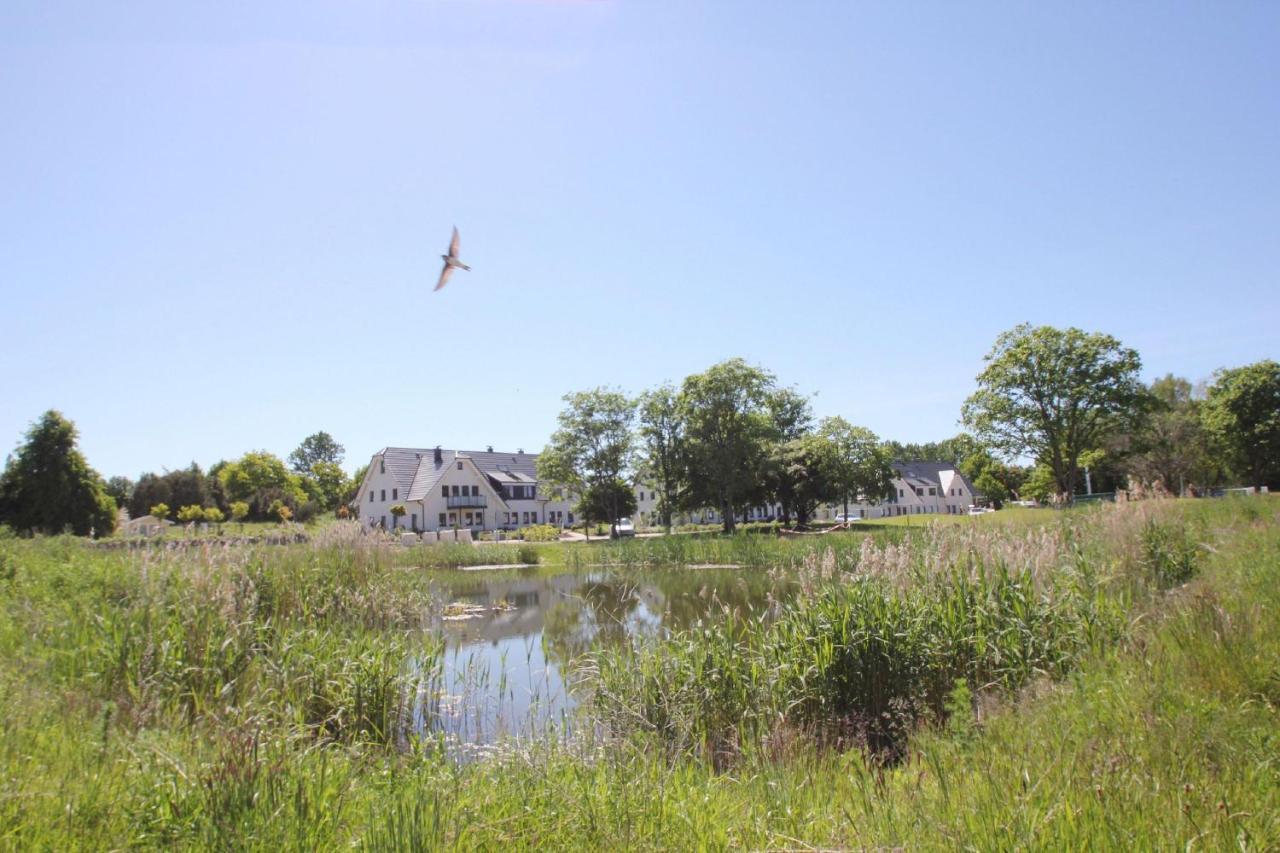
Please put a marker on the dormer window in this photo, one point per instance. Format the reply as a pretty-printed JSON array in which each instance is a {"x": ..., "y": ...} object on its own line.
[
  {"x": 382, "y": 466},
  {"x": 459, "y": 466}
]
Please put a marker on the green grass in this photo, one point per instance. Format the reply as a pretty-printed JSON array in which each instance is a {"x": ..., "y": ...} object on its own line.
[{"x": 248, "y": 698}]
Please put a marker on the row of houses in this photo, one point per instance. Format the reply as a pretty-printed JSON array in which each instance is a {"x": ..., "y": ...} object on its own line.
[{"x": 487, "y": 490}]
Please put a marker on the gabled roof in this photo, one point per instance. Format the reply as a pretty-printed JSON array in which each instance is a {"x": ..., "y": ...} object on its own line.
[
  {"x": 928, "y": 473},
  {"x": 415, "y": 468}
]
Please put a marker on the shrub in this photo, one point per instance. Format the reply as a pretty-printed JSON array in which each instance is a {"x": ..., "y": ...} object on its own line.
[{"x": 540, "y": 533}]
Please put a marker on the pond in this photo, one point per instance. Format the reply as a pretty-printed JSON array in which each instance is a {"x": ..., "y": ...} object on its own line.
[{"x": 511, "y": 639}]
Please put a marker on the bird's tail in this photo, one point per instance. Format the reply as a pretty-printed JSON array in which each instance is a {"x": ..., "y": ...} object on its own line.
[{"x": 465, "y": 267}]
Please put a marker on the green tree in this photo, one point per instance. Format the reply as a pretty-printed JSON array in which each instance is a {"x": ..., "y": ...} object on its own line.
[
  {"x": 802, "y": 472},
  {"x": 953, "y": 450},
  {"x": 607, "y": 501},
  {"x": 661, "y": 434},
  {"x": 997, "y": 481},
  {"x": 260, "y": 478},
  {"x": 318, "y": 447},
  {"x": 159, "y": 512},
  {"x": 729, "y": 429},
  {"x": 592, "y": 447},
  {"x": 326, "y": 484},
  {"x": 1173, "y": 448},
  {"x": 120, "y": 490},
  {"x": 862, "y": 467},
  {"x": 1040, "y": 485},
  {"x": 191, "y": 513},
  {"x": 213, "y": 515},
  {"x": 1242, "y": 413},
  {"x": 1053, "y": 394},
  {"x": 48, "y": 487},
  {"x": 239, "y": 512},
  {"x": 397, "y": 512}
]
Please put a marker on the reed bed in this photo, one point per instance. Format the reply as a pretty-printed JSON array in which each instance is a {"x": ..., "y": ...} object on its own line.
[{"x": 1106, "y": 680}]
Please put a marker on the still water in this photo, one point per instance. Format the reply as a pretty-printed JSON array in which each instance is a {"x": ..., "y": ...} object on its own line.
[{"x": 511, "y": 639}]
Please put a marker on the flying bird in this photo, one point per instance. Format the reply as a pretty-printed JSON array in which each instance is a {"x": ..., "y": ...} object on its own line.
[{"x": 450, "y": 261}]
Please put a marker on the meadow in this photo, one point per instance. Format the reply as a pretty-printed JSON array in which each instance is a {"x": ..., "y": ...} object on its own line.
[{"x": 1097, "y": 677}]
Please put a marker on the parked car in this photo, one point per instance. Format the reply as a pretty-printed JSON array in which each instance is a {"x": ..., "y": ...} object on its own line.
[
  {"x": 847, "y": 519},
  {"x": 624, "y": 527}
]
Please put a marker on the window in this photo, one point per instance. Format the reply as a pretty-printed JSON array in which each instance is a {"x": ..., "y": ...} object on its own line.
[
  {"x": 459, "y": 466},
  {"x": 455, "y": 491},
  {"x": 933, "y": 491},
  {"x": 453, "y": 517},
  {"x": 383, "y": 497},
  {"x": 642, "y": 496},
  {"x": 468, "y": 519},
  {"x": 526, "y": 518},
  {"x": 900, "y": 493},
  {"x": 382, "y": 466},
  {"x": 442, "y": 519},
  {"x": 383, "y": 522},
  {"x": 371, "y": 496},
  {"x": 395, "y": 494},
  {"x": 444, "y": 491},
  {"x": 475, "y": 491},
  {"x": 414, "y": 522},
  {"x": 571, "y": 518}
]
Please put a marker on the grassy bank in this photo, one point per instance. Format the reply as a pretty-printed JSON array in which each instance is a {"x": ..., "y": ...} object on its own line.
[{"x": 1106, "y": 679}]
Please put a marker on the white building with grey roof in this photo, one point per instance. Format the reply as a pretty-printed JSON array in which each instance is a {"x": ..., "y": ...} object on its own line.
[{"x": 446, "y": 489}]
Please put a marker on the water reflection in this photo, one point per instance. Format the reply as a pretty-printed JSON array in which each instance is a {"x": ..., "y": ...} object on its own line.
[{"x": 508, "y": 669}]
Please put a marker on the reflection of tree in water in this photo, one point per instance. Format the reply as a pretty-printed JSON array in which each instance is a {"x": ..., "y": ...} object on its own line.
[
  {"x": 599, "y": 613},
  {"x": 693, "y": 595},
  {"x": 613, "y": 609}
]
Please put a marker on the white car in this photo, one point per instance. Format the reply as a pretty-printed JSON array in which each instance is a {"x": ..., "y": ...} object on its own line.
[
  {"x": 847, "y": 519},
  {"x": 624, "y": 527}
]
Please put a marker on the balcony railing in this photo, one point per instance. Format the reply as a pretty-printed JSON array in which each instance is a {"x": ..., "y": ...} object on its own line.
[{"x": 467, "y": 501}]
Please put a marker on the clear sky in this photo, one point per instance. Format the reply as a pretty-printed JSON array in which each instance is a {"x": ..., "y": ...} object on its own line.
[{"x": 220, "y": 223}]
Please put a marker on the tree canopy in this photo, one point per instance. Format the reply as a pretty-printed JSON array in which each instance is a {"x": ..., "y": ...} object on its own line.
[
  {"x": 315, "y": 448},
  {"x": 729, "y": 425},
  {"x": 48, "y": 487},
  {"x": 1053, "y": 394},
  {"x": 592, "y": 447},
  {"x": 1242, "y": 413}
]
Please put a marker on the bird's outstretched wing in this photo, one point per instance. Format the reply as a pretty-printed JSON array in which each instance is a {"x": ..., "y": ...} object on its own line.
[
  {"x": 453, "y": 244},
  {"x": 444, "y": 276}
]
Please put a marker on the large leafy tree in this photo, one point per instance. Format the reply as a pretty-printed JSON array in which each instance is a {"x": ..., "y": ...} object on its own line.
[
  {"x": 318, "y": 447},
  {"x": 48, "y": 487},
  {"x": 801, "y": 471},
  {"x": 592, "y": 447},
  {"x": 861, "y": 466},
  {"x": 1053, "y": 394},
  {"x": 729, "y": 429},
  {"x": 661, "y": 434},
  {"x": 1242, "y": 413}
]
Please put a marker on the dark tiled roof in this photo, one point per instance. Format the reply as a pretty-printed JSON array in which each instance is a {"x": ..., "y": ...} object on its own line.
[
  {"x": 415, "y": 469},
  {"x": 931, "y": 472}
]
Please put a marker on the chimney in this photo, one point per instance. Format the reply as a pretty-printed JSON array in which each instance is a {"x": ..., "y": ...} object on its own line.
[{"x": 439, "y": 456}]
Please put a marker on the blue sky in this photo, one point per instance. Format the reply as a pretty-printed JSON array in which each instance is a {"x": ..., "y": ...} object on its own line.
[{"x": 220, "y": 223}]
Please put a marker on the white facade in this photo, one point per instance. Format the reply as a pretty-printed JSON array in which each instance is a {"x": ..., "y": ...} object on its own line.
[{"x": 450, "y": 489}]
